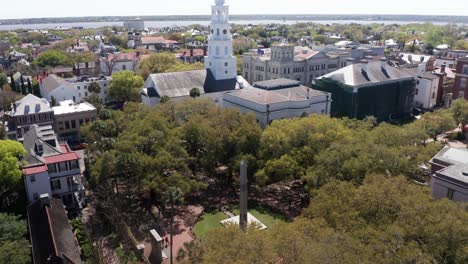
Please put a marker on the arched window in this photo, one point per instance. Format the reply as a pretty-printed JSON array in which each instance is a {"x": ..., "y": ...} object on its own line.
[{"x": 224, "y": 32}]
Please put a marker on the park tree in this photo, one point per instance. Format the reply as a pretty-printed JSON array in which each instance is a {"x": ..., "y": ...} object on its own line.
[
  {"x": 125, "y": 86},
  {"x": 14, "y": 247},
  {"x": 3, "y": 131},
  {"x": 437, "y": 122},
  {"x": 460, "y": 45},
  {"x": 164, "y": 99},
  {"x": 384, "y": 220},
  {"x": 165, "y": 62},
  {"x": 53, "y": 58},
  {"x": 36, "y": 90},
  {"x": 10, "y": 172},
  {"x": 3, "y": 79},
  {"x": 460, "y": 111},
  {"x": 94, "y": 87}
]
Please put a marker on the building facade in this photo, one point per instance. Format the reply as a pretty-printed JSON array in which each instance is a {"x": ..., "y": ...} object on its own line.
[
  {"x": 220, "y": 60},
  {"x": 278, "y": 99},
  {"x": 70, "y": 117},
  {"x": 460, "y": 87},
  {"x": 26, "y": 112},
  {"x": 427, "y": 86},
  {"x": 369, "y": 89},
  {"x": 449, "y": 174},
  {"x": 52, "y": 168},
  {"x": 75, "y": 89},
  {"x": 289, "y": 62}
]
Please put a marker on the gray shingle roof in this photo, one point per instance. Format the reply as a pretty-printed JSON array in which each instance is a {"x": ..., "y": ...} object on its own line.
[
  {"x": 353, "y": 75},
  {"x": 178, "y": 84},
  {"x": 31, "y": 104}
]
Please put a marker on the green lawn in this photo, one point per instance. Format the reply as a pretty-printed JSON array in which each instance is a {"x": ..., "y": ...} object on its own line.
[
  {"x": 207, "y": 222},
  {"x": 211, "y": 220},
  {"x": 266, "y": 217}
]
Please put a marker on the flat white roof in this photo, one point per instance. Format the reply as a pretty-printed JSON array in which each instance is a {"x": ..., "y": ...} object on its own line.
[{"x": 68, "y": 107}]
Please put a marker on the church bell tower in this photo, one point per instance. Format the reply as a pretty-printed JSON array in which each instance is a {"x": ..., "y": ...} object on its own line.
[{"x": 220, "y": 61}]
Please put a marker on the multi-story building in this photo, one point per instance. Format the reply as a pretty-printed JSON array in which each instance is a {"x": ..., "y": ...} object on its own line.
[
  {"x": 70, "y": 117},
  {"x": 369, "y": 89},
  {"x": 457, "y": 54},
  {"x": 75, "y": 89},
  {"x": 449, "y": 174},
  {"x": 278, "y": 99},
  {"x": 26, "y": 112},
  {"x": 286, "y": 61},
  {"x": 52, "y": 168},
  {"x": 117, "y": 62},
  {"x": 460, "y": 87},
  {"x": 427, "y": 86}
]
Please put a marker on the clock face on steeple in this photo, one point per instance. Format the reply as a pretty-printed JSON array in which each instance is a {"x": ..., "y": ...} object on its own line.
[{"x": 219, "y": 2}]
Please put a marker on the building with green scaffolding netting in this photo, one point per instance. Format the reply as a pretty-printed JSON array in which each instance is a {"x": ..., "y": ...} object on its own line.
[{"x": 369, "y": 89}]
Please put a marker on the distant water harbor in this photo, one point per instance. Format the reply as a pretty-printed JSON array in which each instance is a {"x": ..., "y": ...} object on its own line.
[{"x": 160, "y": 24}]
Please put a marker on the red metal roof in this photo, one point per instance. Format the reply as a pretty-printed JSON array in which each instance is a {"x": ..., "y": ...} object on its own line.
[
  {"x": 34, "y": 170},
  {"x": 61, "y": 158}
]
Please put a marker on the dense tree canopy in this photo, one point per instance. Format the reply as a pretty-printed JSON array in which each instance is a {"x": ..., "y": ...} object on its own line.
[
  {"x": 14, "y": 247},
  {"x": 125, "y": 86},
  {"x": 165, "y": 62},
  {"x": 10, "y": 173},
  {"x": 386, "y": 220},
  {"x": 53, "y": 58}
]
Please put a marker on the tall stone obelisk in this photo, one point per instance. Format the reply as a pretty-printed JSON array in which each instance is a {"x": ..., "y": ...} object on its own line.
[{"x": 243, "y": 196}]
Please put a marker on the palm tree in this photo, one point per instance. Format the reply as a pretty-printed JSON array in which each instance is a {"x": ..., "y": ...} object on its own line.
[
  {"x": 172, "y": 196},
  {"x": 195, "y": 92}
]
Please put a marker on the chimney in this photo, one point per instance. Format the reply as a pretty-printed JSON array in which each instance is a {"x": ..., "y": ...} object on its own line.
[
  {"x": 442, "y": 68},
  {"x": 421, "y": 68},
  {"x": 44, "y": 200},
  {"x": 364, "y": 64}
]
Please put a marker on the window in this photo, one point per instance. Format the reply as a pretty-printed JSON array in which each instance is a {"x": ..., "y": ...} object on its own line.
[
  {"x": 62, "y": 166},
  {"x": 463, "y": 83},
  {"x": 55, "y": 185},
  {"x": 69, "y": 182},
  {"x": 86, "y": 94},
  {"x": 225, "y": 64},
  {"x": 78, "y": 87},
  {"x": 67, "y": 124},
  {"x": 417, "y": 91},
  {"x": 433, "y": 95},
  {"x": 73, "y": 123},
  {"x": 74, "y": 99},
  {"x": 32, "y": 178},
  {"x": 81, "y": 122},
  {"x": 74, "y": 164},
  {"x": 465, "y": 69},
  {"x": 124, "y": 67},
  {"x": 224, "y": 32},
  {"x": 52, "y": 168},
  {"x": 450, "y": 193},
  {"x": 417, "y": 82},
  {"x": 217, "y": 31}
]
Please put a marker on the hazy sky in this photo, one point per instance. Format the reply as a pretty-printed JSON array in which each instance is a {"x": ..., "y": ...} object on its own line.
[{"x": 65, "y": 8}]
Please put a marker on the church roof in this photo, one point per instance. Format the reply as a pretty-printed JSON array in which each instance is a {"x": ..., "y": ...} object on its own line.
[{"x": 179, "y": 84}]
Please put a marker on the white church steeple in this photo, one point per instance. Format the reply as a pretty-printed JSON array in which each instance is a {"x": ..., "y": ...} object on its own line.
[{"x": 220, "y": 60}]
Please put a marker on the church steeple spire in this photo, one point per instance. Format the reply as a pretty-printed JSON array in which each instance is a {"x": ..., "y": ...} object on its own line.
[{"x": 220, "y": 60}]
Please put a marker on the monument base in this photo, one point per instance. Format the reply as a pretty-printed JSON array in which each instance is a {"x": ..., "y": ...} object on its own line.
[{"x": 250, "y": 220}]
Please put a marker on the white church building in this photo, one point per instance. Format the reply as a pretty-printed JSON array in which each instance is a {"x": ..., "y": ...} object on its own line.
[{"x": 219, "y": 76}]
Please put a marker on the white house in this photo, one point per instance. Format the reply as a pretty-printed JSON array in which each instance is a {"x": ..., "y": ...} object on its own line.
[
  {"x": 75, "y": 89},
  {"x": 427, "y": 86},
  {"x": 278, "y": 99},
  {"x": 52, "y": 168}
]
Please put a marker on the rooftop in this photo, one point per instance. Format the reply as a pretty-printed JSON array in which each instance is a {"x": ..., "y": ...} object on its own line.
[
  {"x": 51, "y": 232},
  {"x": 354, "y": 75},
  {"x": 276, "y": 84},
  {"x": 69, "y": 107},
  {"x": 30, "y": 104}
]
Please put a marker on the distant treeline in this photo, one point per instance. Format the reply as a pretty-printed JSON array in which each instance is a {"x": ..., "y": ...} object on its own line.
[{"x": 415, "y": 18}]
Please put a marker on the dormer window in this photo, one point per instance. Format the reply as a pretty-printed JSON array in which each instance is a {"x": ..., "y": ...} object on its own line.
[{"x": 40, "y": 149}]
